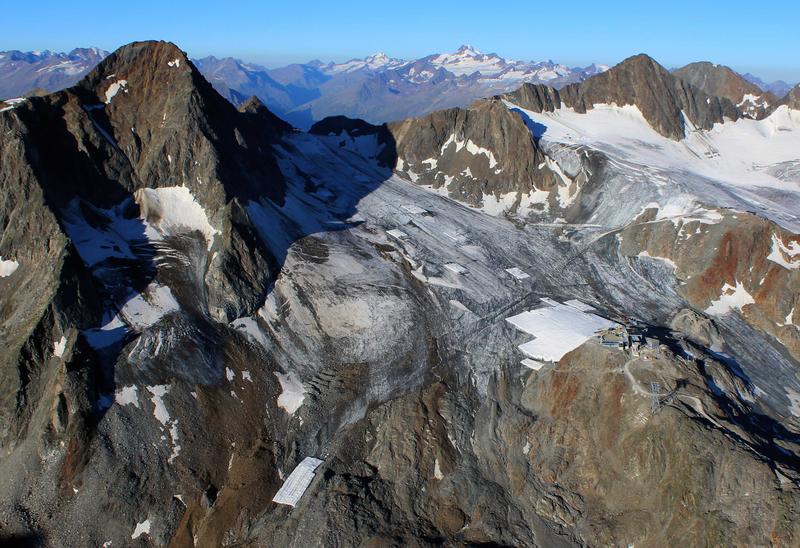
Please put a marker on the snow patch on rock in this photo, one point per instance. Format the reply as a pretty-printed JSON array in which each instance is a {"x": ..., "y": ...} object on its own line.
[
  {"x": 59, "y": 346},
  {"x": 127, "y": 395},
  {"x": 669, "y": 261},
  {"x": 437, "y": 471},
  {"x": 731, "y": 297},
  {"x": 293, "y": 393},
  {"x": 114, "y": 88},
  {"x": 148, "y": 307},
  {"x": 251, "y": 328},
  {"x": 159, "y": 409},
  {"x": 784, "y": 254},
  {"x": 171, "y": 210},
  {"x": 471, "y": 147},
  {"x": 142, "y": 528},
  {"x": 7, "y": 267},
  {"x": 162, "y": 415}
]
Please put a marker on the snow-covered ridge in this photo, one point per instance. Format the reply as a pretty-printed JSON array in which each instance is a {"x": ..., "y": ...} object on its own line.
[
  {"x": 466, "y": 62},
  {"x": 9, "y": 104},
  {"x": 746, "y": 164},
  {"x": 376, "y": 61},
  {"x": 739, "y": 152}
]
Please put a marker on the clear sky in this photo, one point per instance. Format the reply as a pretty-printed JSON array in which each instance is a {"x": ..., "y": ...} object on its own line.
[{"x": 759, "y": 37}]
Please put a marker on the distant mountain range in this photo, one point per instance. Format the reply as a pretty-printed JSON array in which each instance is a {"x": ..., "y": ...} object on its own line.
[
  {"x": 24, "y": 73},
  {"x": 377, "y": 88},
  {"x": 779, "y": 88},
  {"x": 380, "y": 88}
]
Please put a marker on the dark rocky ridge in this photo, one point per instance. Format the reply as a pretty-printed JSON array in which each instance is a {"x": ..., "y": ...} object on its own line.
[
  {"x": 721, "y": 81},
  {"x": 639, "y": 81},
  {"x": 385, "y": 151}
]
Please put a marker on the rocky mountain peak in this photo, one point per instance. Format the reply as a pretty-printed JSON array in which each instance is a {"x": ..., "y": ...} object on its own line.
[
  {"x": 467, "y": 50},
  {"x": 154, "y": 62},
  {"x": 630, "y": 73},
  {"x": 252, "y": 105},
  {"x": 721, "y": 81},
  {"x": 378, "y": 57},
  {"x": 153, "y": 120},
  {"x": 88, "y": 53},
  {"x": 639, "y": 81}
]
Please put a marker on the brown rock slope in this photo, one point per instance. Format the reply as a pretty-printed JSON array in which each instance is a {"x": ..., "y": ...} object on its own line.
[
  {"x": 741, "y": 259},
  {"x": 576, "y": 455}
]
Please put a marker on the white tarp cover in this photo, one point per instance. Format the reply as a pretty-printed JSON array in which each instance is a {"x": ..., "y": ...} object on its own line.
[
  {"x": 297, "y": 482},
  {"x": 455, "y": 267},
  {"x": 532, "y": 364},
  {"x": 397, "y": 234},
  {"x": 583, "y": 307},
  {"x": 558, "y": 329},
  {"x": 413, "y": 209},
  {"x": 518, "y": 273}
]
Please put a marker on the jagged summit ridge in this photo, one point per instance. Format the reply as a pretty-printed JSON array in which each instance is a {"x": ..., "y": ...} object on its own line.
[
  {"x": 721, "y": 81},
  {"x": 640, "y": 81}
]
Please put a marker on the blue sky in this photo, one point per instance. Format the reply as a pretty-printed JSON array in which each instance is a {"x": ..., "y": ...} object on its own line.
[{"x": 760, "y": 37}]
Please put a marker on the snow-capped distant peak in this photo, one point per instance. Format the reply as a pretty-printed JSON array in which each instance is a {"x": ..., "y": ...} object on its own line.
[
  {"x": 467, "y": 60},
  {"x": 468, "y": 50},
  {"x": 376, "y": 61},
  {"x": 378, "y": 57},
  {"x": 595, "y": 68}
]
